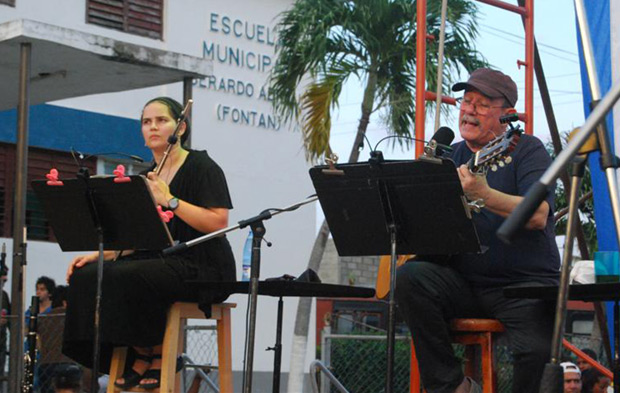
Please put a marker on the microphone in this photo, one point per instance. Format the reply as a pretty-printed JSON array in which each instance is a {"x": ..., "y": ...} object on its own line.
[{"x": 439, "y": 143}]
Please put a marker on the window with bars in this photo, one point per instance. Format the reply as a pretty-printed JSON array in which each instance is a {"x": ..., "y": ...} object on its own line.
[
  {"x": 40, "y": 162},
  {"x": 8, "y": 2},
  {"x": 140, "y": 17}
]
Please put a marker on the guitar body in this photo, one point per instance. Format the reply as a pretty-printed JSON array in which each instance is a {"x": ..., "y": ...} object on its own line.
[{"x": 382, "y": 286}]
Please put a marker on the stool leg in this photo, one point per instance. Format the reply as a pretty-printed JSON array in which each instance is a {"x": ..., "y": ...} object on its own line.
[
  {"x": 470, "y": 361},
  {"x": 224, "y": 347},
  {"x": 117, "y": 366},
  {"x": 170, "y": 350},
  {"x": 414, "y": 373},
  {"x": 486, "y": 352}
]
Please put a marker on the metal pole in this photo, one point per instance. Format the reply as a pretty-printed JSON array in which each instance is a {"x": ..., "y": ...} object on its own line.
[
  {"x": 187, "y": 95},
  {"x": 578, "y": 170},
  {"x": 391, "y": 333},
  {"x": 442, "y": 39},
  {"x": 277, "y": 349},
  {"x": 258, "y": 231},
  {"x": 16, "y": 358}
]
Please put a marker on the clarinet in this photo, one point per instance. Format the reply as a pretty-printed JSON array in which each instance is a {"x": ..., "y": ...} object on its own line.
[{"x": 30, "y": 357}]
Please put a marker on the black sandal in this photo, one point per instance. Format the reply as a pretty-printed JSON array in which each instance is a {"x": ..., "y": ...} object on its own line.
[
  {"x": 155, "y": 373},
  {"x": 130, "y": 376}
]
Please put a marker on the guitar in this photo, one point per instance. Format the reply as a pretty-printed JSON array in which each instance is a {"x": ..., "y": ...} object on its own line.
[{"x": 493, "y": 155}]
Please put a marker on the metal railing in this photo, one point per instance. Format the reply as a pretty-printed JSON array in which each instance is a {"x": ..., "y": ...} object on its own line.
[{"x": 318, "y": 365}]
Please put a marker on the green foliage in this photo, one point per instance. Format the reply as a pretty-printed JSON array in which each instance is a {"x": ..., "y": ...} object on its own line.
[
  {"x": 586, "y": 210},
  {"x": 323, "y": 42}
]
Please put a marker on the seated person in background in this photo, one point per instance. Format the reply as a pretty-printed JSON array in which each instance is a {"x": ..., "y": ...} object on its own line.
[
  {"x": 594, "y": 381},
  {"x": 68, "y": 380},
  {"x": 51, "y": 327},
  {"x": 582, "y": 364},
  {"x": 139, "y": 287},
  {"x": 5, "y": 309},
  {"x": 572, "y": 377},
  {"x": 45, "y": 287}
]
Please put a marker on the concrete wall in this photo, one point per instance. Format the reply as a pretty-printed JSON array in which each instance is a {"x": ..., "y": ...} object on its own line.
[{"x": 358, "y": 271}]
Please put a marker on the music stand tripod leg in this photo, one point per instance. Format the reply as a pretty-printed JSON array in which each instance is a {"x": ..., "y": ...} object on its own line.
[
  {"x": 391, "y": 334},
  {"x": 97, "y": 339},
  {"x": 277, "y": 349}
]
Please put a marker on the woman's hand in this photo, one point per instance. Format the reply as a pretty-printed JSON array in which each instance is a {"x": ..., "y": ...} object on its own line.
[
  {"x": 159, "y": 189},
  {"x": 80, "y": 261}
]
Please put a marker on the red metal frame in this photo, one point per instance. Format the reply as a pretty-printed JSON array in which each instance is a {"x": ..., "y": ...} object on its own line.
[
  {"x": 588, "y": 359},
  {"x": 422, "y": 94},
  {"x": 420, "y": 83}
]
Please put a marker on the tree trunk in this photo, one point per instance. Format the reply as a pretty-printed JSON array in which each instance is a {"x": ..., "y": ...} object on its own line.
[{"x": 304, "y": 307}]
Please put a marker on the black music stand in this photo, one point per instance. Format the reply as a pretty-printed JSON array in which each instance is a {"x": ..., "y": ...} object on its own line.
[
  {"x": 395, "y": 207},
  {"x": 126, "y": 212},
  {"x": 280, "y": 289},
  {"x": 102, "y": 214},
  {"x": 586, "y": 293}
]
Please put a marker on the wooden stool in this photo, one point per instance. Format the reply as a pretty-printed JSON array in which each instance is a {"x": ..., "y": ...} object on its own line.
[
  {"x": 173, "y": 341},
  {"x": 468, "y": 332}
]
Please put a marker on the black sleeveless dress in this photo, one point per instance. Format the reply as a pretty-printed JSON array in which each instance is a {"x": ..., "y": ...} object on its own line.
[{"x": 137, "y": 290}]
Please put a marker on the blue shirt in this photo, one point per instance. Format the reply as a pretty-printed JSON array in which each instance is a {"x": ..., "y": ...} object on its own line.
[{"x": 533, "y": 255}]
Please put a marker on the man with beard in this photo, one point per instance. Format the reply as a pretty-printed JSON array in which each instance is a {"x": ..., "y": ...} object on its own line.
[{"x": 431, "y": 290}]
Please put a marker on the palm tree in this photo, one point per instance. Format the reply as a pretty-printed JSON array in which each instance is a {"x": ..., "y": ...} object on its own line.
[{"x": 324, "y": 42}]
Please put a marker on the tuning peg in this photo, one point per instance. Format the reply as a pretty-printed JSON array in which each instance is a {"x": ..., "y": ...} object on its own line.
[
  {"x": 501, "y": 164},
  {"x": 494, "y": 167},
  {"x": 508, "y": 160}
]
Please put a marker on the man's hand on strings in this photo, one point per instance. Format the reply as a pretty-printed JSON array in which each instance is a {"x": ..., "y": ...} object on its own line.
[{"x": 474, "y": 186}]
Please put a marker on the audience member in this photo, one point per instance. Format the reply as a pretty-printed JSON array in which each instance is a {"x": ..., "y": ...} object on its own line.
[
  {"x": 51, "y": 327},
  {"x": 584, "y": 365},
  {"x": 45, "y": 286},
  {"x": 594, "y": 381},
  {"x": 572, "y": 377},
  {"x": 68, "y": 379},
  {"x": 4, "y": 310}
]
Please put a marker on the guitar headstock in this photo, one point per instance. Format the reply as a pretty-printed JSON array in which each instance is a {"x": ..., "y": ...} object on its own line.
[{"x": 496, "y": 153}]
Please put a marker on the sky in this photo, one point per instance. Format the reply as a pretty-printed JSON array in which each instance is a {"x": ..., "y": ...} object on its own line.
[{"x": 501, "y": 42}]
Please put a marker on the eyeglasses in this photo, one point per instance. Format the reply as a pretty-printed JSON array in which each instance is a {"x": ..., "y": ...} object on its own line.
[{"x": 478, "y": 107}]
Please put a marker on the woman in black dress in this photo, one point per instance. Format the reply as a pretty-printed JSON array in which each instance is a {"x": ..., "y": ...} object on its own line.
[{"x": 139, "y": 287}]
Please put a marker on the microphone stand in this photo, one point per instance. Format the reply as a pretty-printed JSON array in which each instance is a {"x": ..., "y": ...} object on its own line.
[
  {"x": 552, "y": 376},
  {"x": 258, "y": 231}
]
